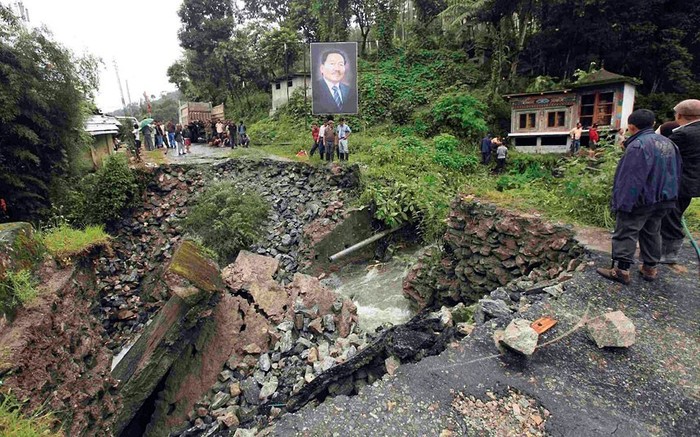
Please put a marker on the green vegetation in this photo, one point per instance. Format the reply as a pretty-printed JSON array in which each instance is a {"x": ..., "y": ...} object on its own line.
[
  {"x": 227, "y": 220},
  {"x": 16, "y": 289},
  {"x": 576, "y": 190},
  {"x": 64, "y": 242},
  {"x": 101, "y": 197},
  {"x": 15, "y": 424},
  {"x": 692, "y": 216},
  {"x": 27, "y": 251},
  {"x": 45, "y": 95}
]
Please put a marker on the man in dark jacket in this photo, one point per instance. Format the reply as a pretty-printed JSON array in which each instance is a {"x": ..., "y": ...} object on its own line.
[
  {"x": 486, "y": 149},
  {"x": 687, "y": 138},
  {"x": 644, "y": 190}
]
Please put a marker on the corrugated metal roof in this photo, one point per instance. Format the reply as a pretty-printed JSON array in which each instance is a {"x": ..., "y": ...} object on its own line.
[{"x": 102, "y": 125}]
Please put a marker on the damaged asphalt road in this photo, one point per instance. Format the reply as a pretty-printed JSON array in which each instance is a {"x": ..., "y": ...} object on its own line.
[{"x": 652, "y": 388}]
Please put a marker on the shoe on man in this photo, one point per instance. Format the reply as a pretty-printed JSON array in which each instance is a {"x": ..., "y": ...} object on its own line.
[
  {"x": 615, "y": 274},
  {"x": 669, "y": 258},
  {"x": 670, "y": 251},
  {"x": 648, "y": 273}
]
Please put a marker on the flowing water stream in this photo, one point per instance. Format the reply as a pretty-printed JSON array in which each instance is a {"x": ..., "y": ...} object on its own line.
[{"x": 376, "y": 289}]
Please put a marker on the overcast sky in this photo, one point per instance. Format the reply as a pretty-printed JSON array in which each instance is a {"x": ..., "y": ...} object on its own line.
[{"x": 141, "y": 35}]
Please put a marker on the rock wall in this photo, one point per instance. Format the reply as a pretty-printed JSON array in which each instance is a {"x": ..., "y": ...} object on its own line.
[{"x": 486, "y": 247}]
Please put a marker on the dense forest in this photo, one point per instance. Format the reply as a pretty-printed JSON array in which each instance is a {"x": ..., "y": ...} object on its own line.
[{"x": 233, "y": 52}]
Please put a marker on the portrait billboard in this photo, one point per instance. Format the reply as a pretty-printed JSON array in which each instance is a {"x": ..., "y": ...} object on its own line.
[{"x": 334, "y": 78}]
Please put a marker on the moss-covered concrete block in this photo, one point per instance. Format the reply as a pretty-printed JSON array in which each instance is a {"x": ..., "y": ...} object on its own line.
[{"x": 192, "y": 275}]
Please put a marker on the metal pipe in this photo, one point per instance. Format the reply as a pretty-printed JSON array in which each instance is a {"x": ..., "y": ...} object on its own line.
[{"x": 363, "y": 243}]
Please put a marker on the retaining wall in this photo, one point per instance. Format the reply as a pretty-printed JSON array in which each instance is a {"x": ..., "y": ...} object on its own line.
[{"x": 486, "y": 247}]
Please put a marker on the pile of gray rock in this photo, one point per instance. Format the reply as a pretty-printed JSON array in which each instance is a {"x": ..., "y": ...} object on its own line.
[
  {"x": 517, "y": 296},
  {"x": 128, "y": 279}
]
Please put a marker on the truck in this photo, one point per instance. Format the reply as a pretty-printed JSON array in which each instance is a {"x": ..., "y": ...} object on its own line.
[{"x": 195, "y": 111}]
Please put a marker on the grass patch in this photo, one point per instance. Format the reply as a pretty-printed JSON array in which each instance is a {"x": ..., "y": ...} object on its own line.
[
  {"x": 156, "y": 157},
  {"x": 406, "y": 177},
  {"x": 64, "y": 242},
  {"x": 692, "y": 216},
  {"x": 14, "y": 424},
  {"x": 16, "y": 289}
]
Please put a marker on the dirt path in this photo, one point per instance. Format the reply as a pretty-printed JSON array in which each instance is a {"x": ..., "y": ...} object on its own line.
[{"x": 204, "y": 154}]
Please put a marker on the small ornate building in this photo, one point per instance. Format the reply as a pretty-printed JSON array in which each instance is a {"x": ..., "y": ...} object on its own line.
[{"x": 541, "y": 121}]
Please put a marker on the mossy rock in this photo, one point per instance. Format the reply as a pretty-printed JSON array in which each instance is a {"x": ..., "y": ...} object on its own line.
[{"x": 462, "y": 313}]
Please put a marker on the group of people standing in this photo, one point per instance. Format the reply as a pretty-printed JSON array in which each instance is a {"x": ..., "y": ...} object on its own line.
[
  {"x": 226, "y": 133},
  {"x": 155, "y": 136},
  {"x": 330, "y": 139},
  {"x": 494, "y": 147},
  {"x": 655, "y": 181}
]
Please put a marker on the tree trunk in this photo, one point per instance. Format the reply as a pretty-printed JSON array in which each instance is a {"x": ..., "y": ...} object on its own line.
[{"x": 365, "y": 35}]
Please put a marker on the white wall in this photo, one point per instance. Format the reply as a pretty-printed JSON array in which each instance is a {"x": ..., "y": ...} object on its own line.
[
  {"x": 628, "y": 96},
  {"x": 279, "y": 96}
]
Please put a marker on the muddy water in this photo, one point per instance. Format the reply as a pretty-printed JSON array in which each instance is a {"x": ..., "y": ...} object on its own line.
[{"x": 376, "y": 289}]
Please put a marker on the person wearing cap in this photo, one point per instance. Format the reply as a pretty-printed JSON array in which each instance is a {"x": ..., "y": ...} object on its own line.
[
  {"x": 645, "y": 188},
  {"x": 687, "y": 138}
]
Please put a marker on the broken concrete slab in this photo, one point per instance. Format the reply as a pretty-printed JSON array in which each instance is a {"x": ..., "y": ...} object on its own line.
[
  {"x": 193, "y": 279},
  {"x": 612, "y": 329},
  {"x": 520, "y": 337}
]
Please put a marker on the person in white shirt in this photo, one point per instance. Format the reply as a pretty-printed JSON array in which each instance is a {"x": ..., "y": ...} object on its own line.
[
  {"x": 343, "y": 132},
  {"x": 321, "y": 141}
]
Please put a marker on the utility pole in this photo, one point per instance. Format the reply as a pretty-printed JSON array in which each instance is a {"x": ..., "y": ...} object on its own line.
[
  {"x": 128, "y": 95},
  {"x": 286, "y": 69},
  {"x": 23, "y": 12},
  {"x": 305, "y": 52},
  {"x": 121, "y": 91}
]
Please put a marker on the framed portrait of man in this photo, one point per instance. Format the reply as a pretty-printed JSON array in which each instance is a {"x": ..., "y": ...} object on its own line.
[{"x": 334, "y": 78}]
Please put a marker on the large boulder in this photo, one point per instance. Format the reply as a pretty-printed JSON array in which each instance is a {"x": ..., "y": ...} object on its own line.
[
  {"x": 252, "y": 275},
  {"x": 520, "y": 337},
  {"x": 612, "y": 330}
]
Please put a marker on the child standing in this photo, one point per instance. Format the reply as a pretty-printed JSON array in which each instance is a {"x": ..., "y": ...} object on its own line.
[{"x": 501, "y": 154}]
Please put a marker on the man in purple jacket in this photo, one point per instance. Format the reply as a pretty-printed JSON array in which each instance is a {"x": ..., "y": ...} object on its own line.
[{"x": 644, "y": 190}]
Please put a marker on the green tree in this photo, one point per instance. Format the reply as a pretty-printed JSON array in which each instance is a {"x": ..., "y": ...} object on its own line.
[
  {"x": 44, "y": 99},
  {"x": 281, "y": 50},
  {"x": 365, "y": 12},
  {"x": 203, "y": 73},
  {"x": 387, "y": 13}
]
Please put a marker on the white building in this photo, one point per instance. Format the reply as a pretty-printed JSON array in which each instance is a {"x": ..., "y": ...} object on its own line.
[{"x": 284, "y": 87}]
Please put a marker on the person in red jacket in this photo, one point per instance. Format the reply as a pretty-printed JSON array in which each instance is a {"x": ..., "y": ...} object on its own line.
[
  {"x": 593, "y": 136},
  {"x": 314, "y": 134}
]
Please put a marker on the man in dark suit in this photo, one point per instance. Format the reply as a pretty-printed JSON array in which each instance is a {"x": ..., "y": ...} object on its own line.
[
  {"x": 331, "y": 95},
  {"x": 687, "y": 138}
]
